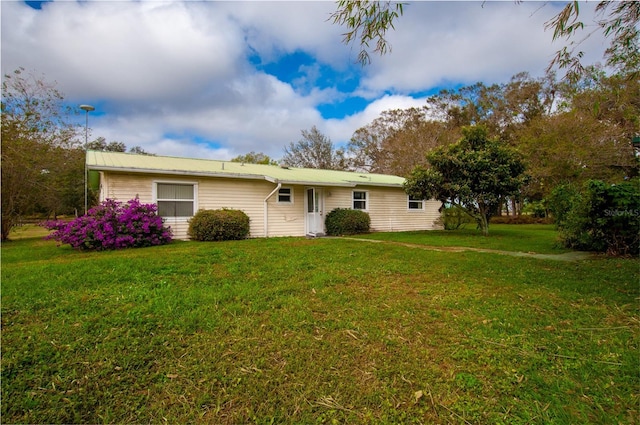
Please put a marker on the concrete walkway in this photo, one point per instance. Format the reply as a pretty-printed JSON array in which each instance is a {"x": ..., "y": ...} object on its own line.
[{"x": 567, "y": 256}]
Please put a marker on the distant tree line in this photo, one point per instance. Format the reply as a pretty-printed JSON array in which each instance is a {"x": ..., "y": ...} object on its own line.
[
  {"x": 567, "y": 131},
  {"x": 43, "y": 153},
  {"x": 100, "y": 144}
]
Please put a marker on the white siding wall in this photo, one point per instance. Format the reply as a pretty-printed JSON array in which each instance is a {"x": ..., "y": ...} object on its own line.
[
  {"x": 287, "y": 219},
  {"x": 336, "y": 197},
  {"x": 387, "y": 207},
  {"x": 124, "y": 187},
  {"x": 216, "y": 193},
  {"x": 244, "y": 195}
]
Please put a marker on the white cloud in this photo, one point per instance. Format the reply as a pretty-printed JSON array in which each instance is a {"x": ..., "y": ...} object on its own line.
[
  {"x": 276, "y": 27},
  {"x": 262, "y": 114},
  {"x": 122, "y": 51},
  {"x": 186, "y": 148},
  {"x": 437, "y": 43},
  {"x": 175, "y": 77},
  {"x": 163, "y": 69}
]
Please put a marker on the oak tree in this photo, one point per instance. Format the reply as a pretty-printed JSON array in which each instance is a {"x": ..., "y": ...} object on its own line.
[{"x": 473, "y": 174}]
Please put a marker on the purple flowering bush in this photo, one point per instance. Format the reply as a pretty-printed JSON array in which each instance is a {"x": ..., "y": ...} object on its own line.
[{"x": 112, "y": 225}]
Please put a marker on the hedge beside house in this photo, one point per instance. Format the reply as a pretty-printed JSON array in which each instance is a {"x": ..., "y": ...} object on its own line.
[
  {"x": 343, "y": 221},
  {"x": 219, "y": 225}
]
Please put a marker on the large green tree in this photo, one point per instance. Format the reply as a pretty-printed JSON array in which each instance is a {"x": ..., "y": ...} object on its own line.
[
  {"x": 38, "y": 142},
  {"x": 474, "y": 174}
]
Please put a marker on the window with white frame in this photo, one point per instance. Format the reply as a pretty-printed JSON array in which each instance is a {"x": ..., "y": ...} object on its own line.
[
  {"x": 285, "y": 195},
  {"x": 415, "y": 203},
  {"x": 175, "y": 199},
  {"x": 360, "y": 198}
]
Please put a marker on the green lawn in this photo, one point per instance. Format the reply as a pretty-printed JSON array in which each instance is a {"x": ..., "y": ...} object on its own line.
[{"x": 291, "y": 330}]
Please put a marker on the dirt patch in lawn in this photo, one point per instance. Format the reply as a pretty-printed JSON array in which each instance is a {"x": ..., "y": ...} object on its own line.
[{"x": 567, "y": 256}]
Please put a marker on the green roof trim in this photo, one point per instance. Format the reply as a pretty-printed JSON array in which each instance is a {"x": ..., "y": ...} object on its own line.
[{"x": 135, "y": 163}]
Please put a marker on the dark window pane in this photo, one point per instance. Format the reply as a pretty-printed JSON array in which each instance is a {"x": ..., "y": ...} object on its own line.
[
  {"x": 175, "y": 191},
  {"x": 284, "y": 195},
  {"x": 175, "y": 208},
  {"x": 310, "y": 200},
  {"x": 359, "y": 205}
]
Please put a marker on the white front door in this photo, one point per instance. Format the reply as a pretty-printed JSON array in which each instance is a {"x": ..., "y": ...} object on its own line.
[{"x": 315, "y": 219}]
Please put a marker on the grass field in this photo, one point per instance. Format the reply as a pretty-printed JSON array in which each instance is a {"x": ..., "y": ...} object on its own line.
[{"x": 294, "y": 330}]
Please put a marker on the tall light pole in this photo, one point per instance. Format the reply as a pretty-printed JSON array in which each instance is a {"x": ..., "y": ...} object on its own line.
[{"x": 86, "y": 109}]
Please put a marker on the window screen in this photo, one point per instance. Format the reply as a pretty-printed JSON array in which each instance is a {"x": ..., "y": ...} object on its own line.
[
  {"x": 175, "y": 200},
  {"x": 359, "y": 200},
  {"x": 415, "y": 203},
  {"x": 284, "y": 195}
]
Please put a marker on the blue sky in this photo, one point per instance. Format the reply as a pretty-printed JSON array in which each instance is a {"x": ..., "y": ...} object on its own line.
[{"x": 212, "y": 79}]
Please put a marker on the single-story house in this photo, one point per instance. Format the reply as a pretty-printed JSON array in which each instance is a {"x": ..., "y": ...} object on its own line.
[{"x": 279, "y": 200}]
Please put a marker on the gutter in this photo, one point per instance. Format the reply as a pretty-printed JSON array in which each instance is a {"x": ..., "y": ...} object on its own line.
[
  {"x": 266, "y": 210},
  {"x": 344, "y": 183}
]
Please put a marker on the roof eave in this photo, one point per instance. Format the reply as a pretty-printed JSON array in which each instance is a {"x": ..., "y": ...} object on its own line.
[
  {"x": 181, "y": 173},
  {"x": 335, "y": 184},
  {"x": 315, "y": 183}
]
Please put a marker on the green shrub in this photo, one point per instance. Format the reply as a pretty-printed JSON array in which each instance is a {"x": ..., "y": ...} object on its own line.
[
  {"x": 560, "y": 202},
  {"x": 343, "y": 221},
  {"x": 605, "y": 218},
  {"x": 219, "y": 225},
  {"x": 453, "y": 217},
  {"x": 535, "y": 209}
]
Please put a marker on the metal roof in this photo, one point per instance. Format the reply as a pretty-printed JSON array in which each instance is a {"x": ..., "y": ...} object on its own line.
[{"x": 135, "y": 163}]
